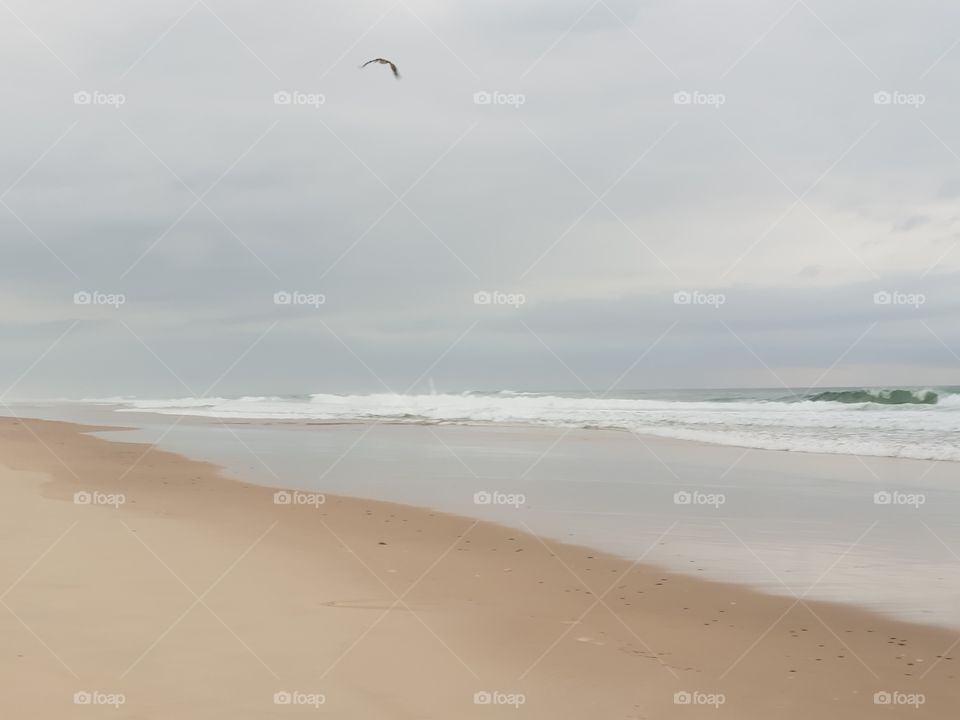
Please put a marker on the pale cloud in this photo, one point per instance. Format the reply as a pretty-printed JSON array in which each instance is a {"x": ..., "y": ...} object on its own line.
[{"x": 797, "y": 193}]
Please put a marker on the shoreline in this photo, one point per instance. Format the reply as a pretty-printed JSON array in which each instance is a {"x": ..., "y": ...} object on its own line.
[
  {"x": 532, "y": 614},
  {"x": 787, "y": 517},
  {"x": 644, "y": 433}
]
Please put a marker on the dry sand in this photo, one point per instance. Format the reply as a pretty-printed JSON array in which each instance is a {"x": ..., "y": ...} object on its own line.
[{"x": 199, "y": 597}]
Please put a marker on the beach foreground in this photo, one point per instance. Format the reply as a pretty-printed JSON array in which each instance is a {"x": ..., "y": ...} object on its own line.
[{"x": 140, "y": 584}]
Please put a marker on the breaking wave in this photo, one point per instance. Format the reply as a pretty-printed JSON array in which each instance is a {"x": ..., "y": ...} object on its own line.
[{"x": 899, "y": 422}]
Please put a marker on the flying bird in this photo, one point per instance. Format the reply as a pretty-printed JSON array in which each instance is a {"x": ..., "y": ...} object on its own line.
[{"x": 382, "y": 61}]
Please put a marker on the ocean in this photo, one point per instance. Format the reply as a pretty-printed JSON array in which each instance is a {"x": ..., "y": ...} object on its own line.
[{"x": 909, "y": 422}]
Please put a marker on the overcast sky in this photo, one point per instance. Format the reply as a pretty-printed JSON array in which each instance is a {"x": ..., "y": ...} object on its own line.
[{"x": 735, "y": 152}]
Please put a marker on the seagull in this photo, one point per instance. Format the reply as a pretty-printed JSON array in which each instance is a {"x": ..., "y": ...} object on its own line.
[{"x": 382, "y": 61}]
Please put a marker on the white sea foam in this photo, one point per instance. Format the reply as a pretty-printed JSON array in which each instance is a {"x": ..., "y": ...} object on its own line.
[{"x": 912, "y": 430}]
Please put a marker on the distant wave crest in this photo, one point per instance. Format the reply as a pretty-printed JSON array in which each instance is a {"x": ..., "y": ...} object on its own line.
[{"x": 883, "y": 397}]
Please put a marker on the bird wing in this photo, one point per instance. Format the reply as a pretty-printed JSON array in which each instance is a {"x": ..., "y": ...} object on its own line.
[{"x": 383, "y": 61}]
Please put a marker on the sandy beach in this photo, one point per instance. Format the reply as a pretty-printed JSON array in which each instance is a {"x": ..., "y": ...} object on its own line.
[{"x": 141, "y": 584}]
